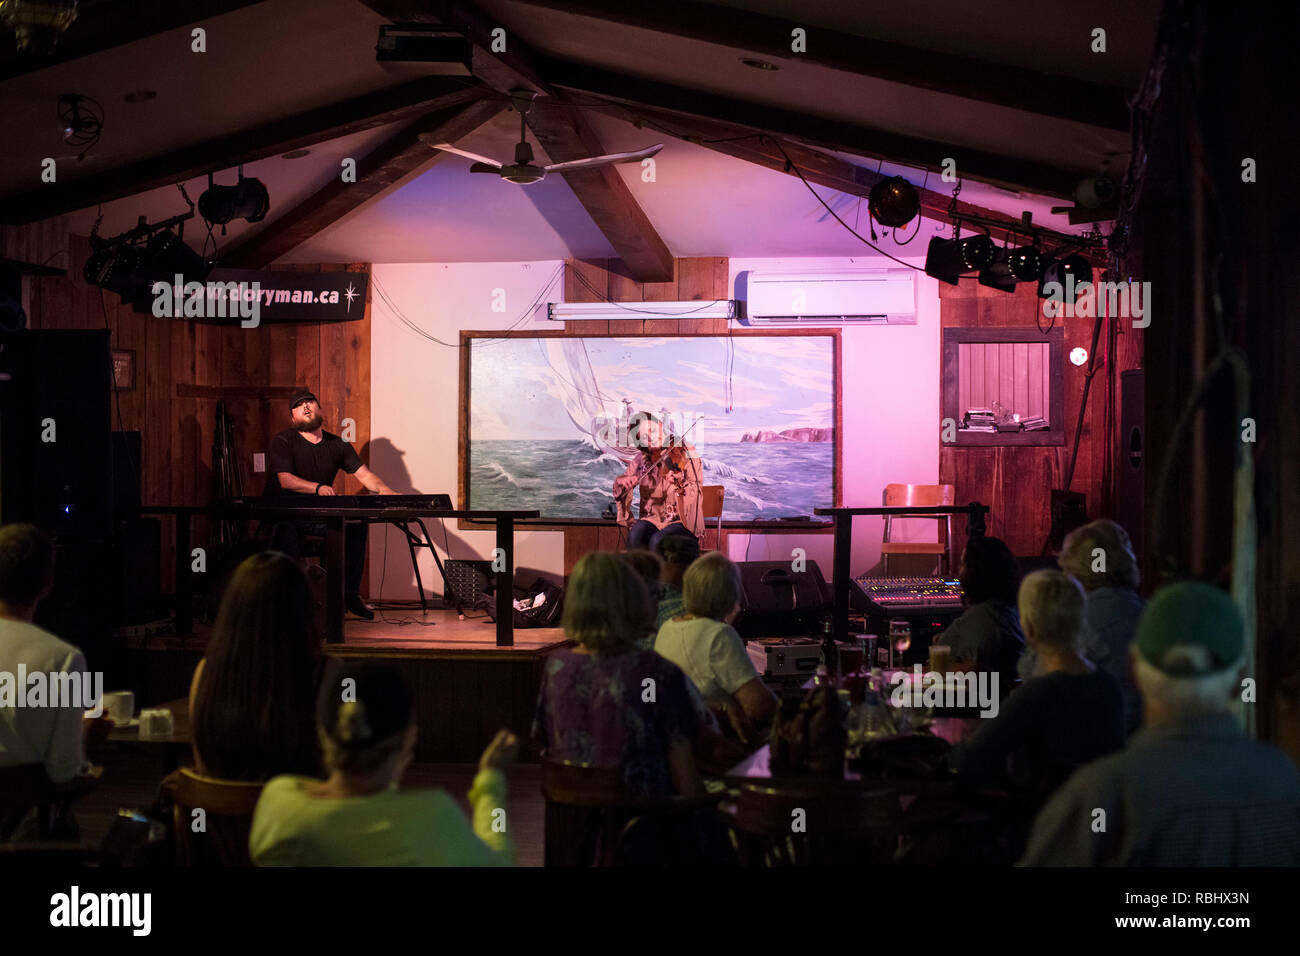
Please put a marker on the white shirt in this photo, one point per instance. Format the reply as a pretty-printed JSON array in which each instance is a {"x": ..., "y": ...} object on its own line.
[
  {"x": 709, "y": 652},
  {"x": 47, "y": 735}
]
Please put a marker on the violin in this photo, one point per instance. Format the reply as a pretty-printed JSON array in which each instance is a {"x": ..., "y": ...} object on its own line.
[{"x": 676, "y": 457}]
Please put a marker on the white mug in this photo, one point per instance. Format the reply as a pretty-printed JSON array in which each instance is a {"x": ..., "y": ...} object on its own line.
[
  {"x": 120, "y": 705},
  {"x": 156, "y": 722}
]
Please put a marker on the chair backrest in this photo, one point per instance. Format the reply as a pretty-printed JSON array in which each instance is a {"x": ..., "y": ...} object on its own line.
[
  {"x": 838, "y": 819},
  {"x": 574, "y": 784},
  {"x": 918, "y": 496},
  {"x": 227, "y": 807},
  {"x": 711, "y": 498}
]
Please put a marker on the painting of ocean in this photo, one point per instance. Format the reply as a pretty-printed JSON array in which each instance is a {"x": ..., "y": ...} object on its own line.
[{"x": 548, "y": 418}]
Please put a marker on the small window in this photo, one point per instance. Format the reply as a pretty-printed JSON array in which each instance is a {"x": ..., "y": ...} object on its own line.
[{"x": 1005, "y": 386}]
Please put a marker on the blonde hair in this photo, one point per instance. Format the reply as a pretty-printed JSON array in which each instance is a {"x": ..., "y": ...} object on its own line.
[
  {"x": 1120, "y": 568},
  {"x": 1053, "y": 603},
  {"x": 606, "y": 604},
  {"x": 1186, "y": 696},
  {"x": 711, "y": 586}
]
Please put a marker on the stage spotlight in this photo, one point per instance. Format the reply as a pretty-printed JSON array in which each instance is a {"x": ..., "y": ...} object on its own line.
[
  {"x": 114, "y": 266},
  {"x": 247, "y": 199},
  {"x": 947, "y": 259},
  {"x": 1068, "y": 274},
  {"x": 894, "y": 202},
  {"x": 1010, "y": 266},
  {"x": 166, "y": 255}
]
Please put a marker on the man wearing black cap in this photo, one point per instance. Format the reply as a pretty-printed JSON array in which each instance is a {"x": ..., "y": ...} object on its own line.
[{"x": 304, "y": 460}]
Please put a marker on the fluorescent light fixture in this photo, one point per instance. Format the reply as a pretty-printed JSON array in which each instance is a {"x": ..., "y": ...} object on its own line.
[{"x": 601, "y": 311}]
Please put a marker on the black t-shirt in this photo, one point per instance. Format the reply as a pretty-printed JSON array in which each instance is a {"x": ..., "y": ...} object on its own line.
[{"x": 317, "y": 463}]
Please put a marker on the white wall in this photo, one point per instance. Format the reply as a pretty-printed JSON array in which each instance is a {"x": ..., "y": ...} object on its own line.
[
  {"x": 890, "y": 417},
  {"x": 890, "y": 397},
  {"x": 414, "y": 399}
]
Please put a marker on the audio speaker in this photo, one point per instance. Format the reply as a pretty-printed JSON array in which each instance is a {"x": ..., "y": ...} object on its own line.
[
  {"x": 1130, "y": 456},
  {"x": 55, "y": 422},
  {"x": 779, "y": 602}
]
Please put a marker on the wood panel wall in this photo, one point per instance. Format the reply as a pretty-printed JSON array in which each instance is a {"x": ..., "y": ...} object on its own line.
[
  {"x": 1016, "y": 481},
  {"x": 600, "y": 280},
  {"x": 184, "y": 368},
  {"x": 1017, "y": 374}
]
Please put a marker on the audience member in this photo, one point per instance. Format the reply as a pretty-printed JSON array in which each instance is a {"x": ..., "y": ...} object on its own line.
[
  {"x": 987, "y": 635},
  {"x": 1191, "y": 788},
  {"x": 1100, "y": 557},
  {"x": 649, "y": 567},
  {"x": 357, "y": 816},
  {"x": 702, "y": 642},
  {"x": 678, "y": 552},
  {"x": 1069, "y": 714},
  {"x": 51, "y": 737},
  {"x": 608, "y": 702},
  {"x": 253, "y": 695}
]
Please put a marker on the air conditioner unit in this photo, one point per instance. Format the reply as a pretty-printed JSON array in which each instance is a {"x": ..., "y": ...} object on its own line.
[{"x": 884, "y": 296}]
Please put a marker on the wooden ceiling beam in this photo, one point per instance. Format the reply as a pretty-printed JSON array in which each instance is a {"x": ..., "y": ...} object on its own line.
[
  {"x": 563, "y": 133},
  {"x": 390, "y": 162},
  {"x": 591, "y": 87},
  {"x": 102, "y": 26},
  {"x": 305, "y": 129},
  {"x": 770, "y": 37}
]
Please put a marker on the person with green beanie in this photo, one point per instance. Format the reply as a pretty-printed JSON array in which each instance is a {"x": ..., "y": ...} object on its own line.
[{"x": 1191, "y": 788}]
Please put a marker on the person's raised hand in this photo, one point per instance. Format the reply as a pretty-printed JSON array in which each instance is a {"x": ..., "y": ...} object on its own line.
[{"x": 501, "y": 753}]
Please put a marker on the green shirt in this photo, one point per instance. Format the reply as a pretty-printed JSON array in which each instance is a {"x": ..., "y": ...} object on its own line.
[{"x": 393, "y": 828}]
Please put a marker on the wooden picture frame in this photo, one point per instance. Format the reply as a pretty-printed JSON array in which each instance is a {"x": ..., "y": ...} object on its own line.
[
  {"x": 463, "y": 436},
  {"x": 124, "y": 370},
  {"x": 952, "y": 385}
]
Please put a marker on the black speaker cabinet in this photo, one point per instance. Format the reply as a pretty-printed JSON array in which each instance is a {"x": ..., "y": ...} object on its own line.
[
  {"x": 780, "y": 602},
  {"x": 55, "y": 422},
  {"x": 1130, "y": 457}
]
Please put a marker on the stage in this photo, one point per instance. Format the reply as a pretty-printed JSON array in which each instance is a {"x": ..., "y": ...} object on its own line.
[{"x": 465, "y": 686}]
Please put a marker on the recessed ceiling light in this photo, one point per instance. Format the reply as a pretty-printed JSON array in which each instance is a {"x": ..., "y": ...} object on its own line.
[
  {"x": 759, "y": 64},
  {"x": 295, "y": 154},
  {"x": 139, "y": 96}
]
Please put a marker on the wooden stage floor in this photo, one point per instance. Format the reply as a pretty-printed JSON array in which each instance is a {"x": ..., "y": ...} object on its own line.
[{"x": 410, "y": 629}]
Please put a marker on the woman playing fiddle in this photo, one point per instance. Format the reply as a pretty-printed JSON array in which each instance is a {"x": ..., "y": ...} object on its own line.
[{"x": 670, "y": 479}]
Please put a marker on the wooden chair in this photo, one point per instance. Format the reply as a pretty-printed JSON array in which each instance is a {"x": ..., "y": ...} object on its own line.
[
  {"x": 228, "y": 817},
  {"x": 807, "y": 821},
  {"x": 711, "y": 499},
  {"x": 27, "y": 787},
  {"x": 591, "y": 820},
  {"x": 918, "y": 496}
]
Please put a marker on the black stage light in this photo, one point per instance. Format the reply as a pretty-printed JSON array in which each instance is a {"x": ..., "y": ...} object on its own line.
[
  {"x": 894, "y": 202},
  {"x": 247, "y": 199},
  {"x": 947, "y": 259},
  {"x": 166, "y": 255},
  {"x": 1010, "y": 266},
  {"x": 1068, "y": 274},
  {"x": 114, "y": 266}
]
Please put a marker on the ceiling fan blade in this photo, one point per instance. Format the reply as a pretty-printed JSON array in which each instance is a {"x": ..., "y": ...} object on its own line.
[
  {"x": 606, "y": 160},
  {"x": 448, "y": 148},
  {"x": 485, "y": 168}
]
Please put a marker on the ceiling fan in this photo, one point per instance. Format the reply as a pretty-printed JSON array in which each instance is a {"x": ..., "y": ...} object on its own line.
[{"x": 522, "y": 170}]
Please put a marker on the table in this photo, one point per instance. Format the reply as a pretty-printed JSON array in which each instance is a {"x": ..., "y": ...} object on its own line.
[
  {"x": 756, "y": 768},
  {"x": 334, "y": 519},
  {"x": 172, "y": 748}
]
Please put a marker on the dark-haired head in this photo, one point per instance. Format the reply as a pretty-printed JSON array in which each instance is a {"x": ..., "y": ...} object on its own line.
[
  {"x": 645, "y": 431},
  {"x": 26, "y": 567},
  {"x": 989, "y": 571},
  {"x": 253, "y": 710},
  {"x": 364, "y": 720}
]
